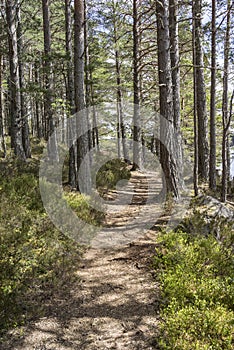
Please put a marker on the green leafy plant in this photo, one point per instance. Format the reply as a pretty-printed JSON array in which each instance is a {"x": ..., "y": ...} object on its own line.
[
  {"x": 82, "y": 206},
  {"x": 35, "y": 258},
  {"x": 196, "y": 275},
  {"x": 111, "y": 173}
]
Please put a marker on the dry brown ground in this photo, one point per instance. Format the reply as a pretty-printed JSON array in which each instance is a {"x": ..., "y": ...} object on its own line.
[{"x": 113, "y": 305}]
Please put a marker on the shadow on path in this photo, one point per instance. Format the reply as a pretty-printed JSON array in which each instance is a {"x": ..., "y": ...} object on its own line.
[{"x": 112, "y": 305}]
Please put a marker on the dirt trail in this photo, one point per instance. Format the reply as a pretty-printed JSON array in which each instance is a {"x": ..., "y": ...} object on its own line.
[{"x": 114, "y": 304}]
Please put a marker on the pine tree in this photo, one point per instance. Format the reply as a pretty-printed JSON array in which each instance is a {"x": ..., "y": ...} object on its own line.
[
  {"x": 15, "y": 101},
  {"x": 167, "y": 154},
  {"x": 137, "y": 132},
  {"x": 212, "y": 165},
  {"x": 225, "y": 115},
  {"x": 83, "y": 160},
  {"x": 202, "y": 121}
]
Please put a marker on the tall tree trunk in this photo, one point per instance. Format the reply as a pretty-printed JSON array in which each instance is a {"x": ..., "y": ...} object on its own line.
[
  {"x": 175, "y": 69},
  {"x": 203, "y": 155},
  {"x": 167, "y": 156},
  {"x": 118, "y": 132},
  {"x": 95, "y": 136},
  {"x": 70, "y": 91},
  {"x": 175, "y": 58},
  {"x": 52, "y": 144},
  {"x": 70, "y": 75},
  {"x": 228, "y": 162},
  {"x": 226, "y": 121},
  {"x": 140, "y": 74},
  {"x": 121, "y": 132},
  {"x": 2, "y": 138},
  {"x": 137, "y": 148},
  {"x": 87, "y": 79},
  {"x": 95, "y": 132},
  {"x": 83, "y": 163},
  {"x": 195, "y": 143},
  {"x": 15, "y": 103},
  {"x": 24, "y": 117},
  {"x": 212, "y": 165},
  {"x": 47, "y": 67},
  {"x": 38, "y": 122}
]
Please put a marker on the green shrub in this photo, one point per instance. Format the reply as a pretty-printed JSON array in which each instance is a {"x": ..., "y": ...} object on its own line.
[
  {"x": 35, "y": 257},
  {"x": 82, "y": 206},
  {"x": 196, "y": 274},
  {"x": 111, "y": 172},
  {"x": 198, "y": 327}
]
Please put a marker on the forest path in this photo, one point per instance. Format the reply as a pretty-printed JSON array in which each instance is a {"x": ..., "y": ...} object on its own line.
[{"x": 114, "y": 304}]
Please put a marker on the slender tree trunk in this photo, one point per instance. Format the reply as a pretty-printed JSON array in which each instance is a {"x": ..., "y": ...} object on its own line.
[
  {"x": 121, "y": 133},
  {"x": 141, "y": 81},
  {"x": 137, "y": 148},
  {"x": 47, "y": 66},
  {"x": 87, "y": 79},
  {"x": 226, "y": 122},
  {"x": 15, "y": 103},
  {"x": 52, "y": 144},
  {"x": 24, "y": 117},
  {"x": 228, "y": 162},
  {"x": 70, "y": 75},
  {"x": 203, "y": 155},
  {"x": 95, "y": 136},
  {"x": 225, "y": 156},
  {"x": 90, "y": 92},
  {"x": 195, "y": 169},
  {"x": 174, "y": 54},
  {"x": 167, "y": 156},
  {"x": 38, "y": 121},
  {"x": 175, "y": 73},
  {"x": 83, "y": 163},
  {"x": 212, "y": 166},
  {"x": 70, "y": 91},
  {"x": 39, "y": 63},
  {"x": 2, "y": 138},
  {"x": 118, "y": 133}
]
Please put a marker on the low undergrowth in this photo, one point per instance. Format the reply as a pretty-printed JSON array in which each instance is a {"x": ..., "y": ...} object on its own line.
[
  {"x": 196, "y": 275},
  {"x": 110, "y": 174},
  {"x": 35, "y": 258}
]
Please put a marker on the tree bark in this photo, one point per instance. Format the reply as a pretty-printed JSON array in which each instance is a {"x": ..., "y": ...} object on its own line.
[
  {"x": 47, "y": 67},
  {"x": 167, "y": 154},
  {"x": 137, "y": 148},
  {"x": 70, "y": 91},
  {"x": 175, "y": 73},
  {"x": 70, "y": 75},
  {"x": 87, "y": 79},
  {"x": 195, "y": 142},
  {"x": 95, "y": 132},
  {"x": 203, "y": 155},
  {"x": 24, "y": 117},
  {"x": 175, "y": 59},
  {"x": 225, "y": 120},
  {"x": 15, "y": 102},
  {"x": 52, "y": 143},
  {"x": 121, "y": 132},
  {"x": 83, "y": 161},
  {"x": 212, "y": 166},
  {"x": 38, "y": 120},
  {"x": 2, "y": 138}
]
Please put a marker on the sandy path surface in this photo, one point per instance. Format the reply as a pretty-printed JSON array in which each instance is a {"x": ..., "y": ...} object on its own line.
[{"x": 114, "y": 304}]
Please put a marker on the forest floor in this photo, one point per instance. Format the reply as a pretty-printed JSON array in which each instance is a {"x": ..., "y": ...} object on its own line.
[{"x": 114, "y": 303}]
